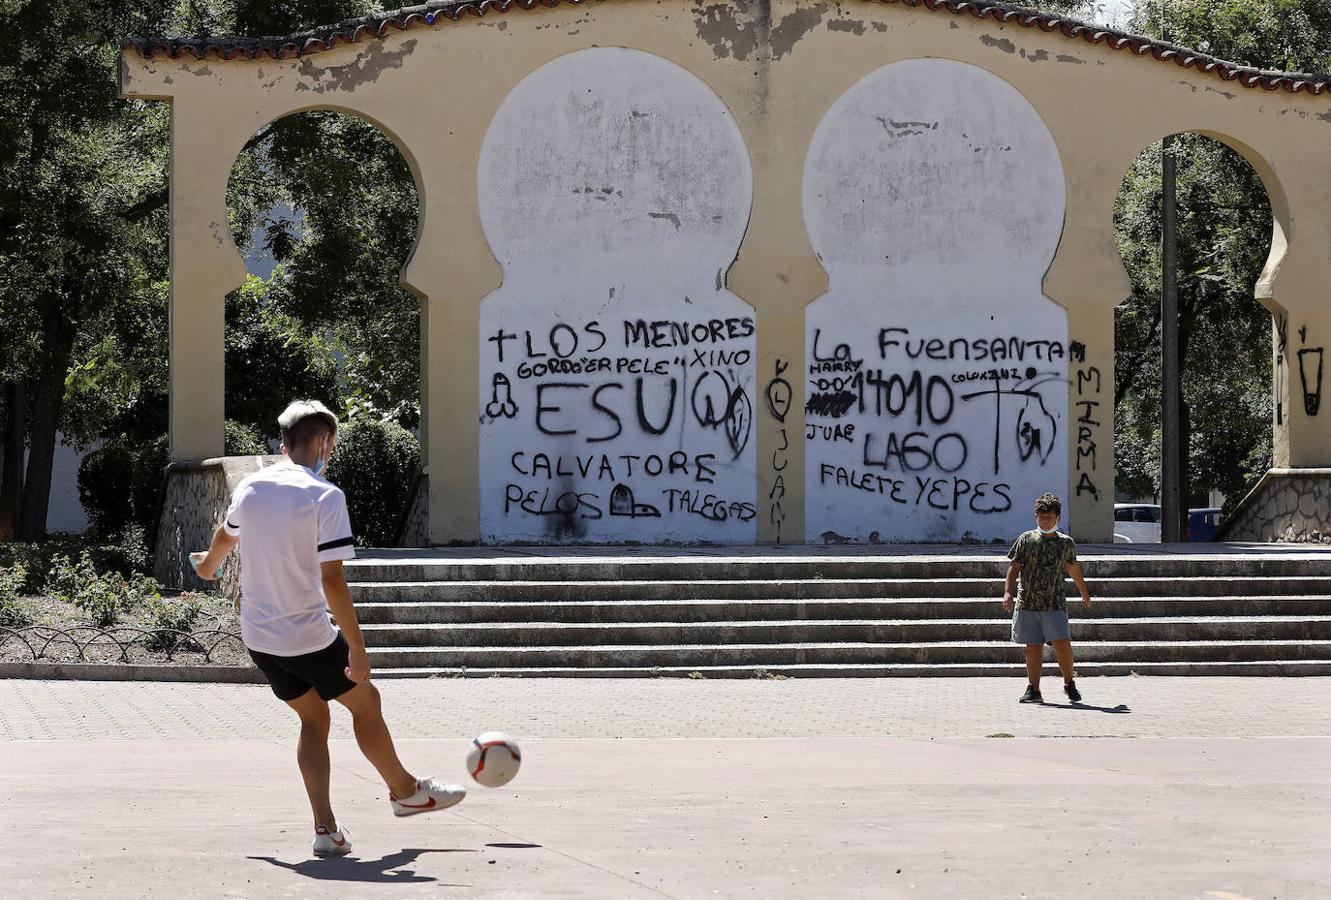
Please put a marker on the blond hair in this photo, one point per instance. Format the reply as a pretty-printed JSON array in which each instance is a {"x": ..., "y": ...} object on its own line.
[{"x": 304, "y": 420}]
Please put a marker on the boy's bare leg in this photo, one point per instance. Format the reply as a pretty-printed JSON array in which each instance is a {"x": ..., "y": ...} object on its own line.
[
  {"x": 312, "y": 754},
  {"x": 1063, "y": 650},
  {"x": 1034, "y": 663},
  {"x": 375, "y": 742}
]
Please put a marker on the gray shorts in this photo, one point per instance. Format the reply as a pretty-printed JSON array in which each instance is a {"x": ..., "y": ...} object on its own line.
[{"x": 1033, "y": 626}]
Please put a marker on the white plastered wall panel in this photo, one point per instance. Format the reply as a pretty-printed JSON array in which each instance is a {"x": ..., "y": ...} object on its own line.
[
  {"x": 937, "y": 370},
  {"x": 617, "y": 372}
]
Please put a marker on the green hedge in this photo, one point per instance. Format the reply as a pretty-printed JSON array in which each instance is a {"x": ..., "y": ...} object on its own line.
[
  {"x": 120, "y": 484},
  {"x": 375, "y": 464}
]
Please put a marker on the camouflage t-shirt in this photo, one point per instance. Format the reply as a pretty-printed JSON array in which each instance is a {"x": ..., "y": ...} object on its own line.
[{"x": 1044, "y": 564}]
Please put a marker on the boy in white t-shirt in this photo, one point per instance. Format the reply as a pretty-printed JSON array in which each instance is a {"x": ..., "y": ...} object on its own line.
[{"x": 293, "y": 533}]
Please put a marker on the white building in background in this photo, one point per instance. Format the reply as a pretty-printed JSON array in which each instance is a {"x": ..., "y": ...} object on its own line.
[{"x": 65, "y": 511}]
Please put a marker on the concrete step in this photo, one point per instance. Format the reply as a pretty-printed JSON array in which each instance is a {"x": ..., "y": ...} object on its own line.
[
  {"x": 754, "y": 567},
  {"x": 826, "y": 588},
  {"x": 872, "y": 670},
  {"x": 545, "y": 634},
  {"x": 770, "y": 656},
  {"x": 828, "y": 612},
  {"x": 721, "y": 610}
]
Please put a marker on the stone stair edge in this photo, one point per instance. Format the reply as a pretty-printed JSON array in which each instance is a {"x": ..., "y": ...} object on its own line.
[
  {"x": 776, "y": 623},
  {"x": 848, "y": 645},
  {"x": 1294, "y": 668}
]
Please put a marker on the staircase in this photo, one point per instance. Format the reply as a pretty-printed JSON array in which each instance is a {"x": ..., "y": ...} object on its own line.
[{"x": 1224, "y": 610}]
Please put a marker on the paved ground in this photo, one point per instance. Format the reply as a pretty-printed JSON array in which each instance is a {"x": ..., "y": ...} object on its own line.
[{"x": 1199, "y": 787}]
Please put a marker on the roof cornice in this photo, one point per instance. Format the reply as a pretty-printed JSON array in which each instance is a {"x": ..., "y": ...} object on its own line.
[{"x": 353, "y": 31}]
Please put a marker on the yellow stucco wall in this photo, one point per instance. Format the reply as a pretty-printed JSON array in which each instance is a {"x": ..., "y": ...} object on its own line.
[{"x": 434, "y": 90}]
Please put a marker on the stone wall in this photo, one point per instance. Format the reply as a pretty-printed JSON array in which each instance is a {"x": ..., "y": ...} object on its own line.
[
  {"x": 1289, "y": 505},
  {"x": 415, "y": 530},
  {"x": 195, "y": 500}
]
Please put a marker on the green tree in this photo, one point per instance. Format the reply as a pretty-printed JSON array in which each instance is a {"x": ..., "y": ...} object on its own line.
[
  {"x": 70, "y": 247},
  {"x": 342, "y": 252},
  {"x": 1224, "y": 239},
  {"x": 83, "y": 230}
]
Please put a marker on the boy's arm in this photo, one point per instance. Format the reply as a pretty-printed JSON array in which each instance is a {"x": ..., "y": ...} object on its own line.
[
  {"x": 1079, "y": 579},
  {"x": 209, "y": 561},
  {"x": 339, "y": 603},
  {"x": 1010, "y": 584}
]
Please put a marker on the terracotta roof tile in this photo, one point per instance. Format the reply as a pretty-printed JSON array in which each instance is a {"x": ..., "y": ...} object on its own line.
[{"x": 355, "y": 30}]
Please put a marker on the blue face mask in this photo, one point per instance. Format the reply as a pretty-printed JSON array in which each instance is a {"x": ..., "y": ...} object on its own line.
[
  {"x": 1038, "y": 528},
  {"x": 320, "y": 462}
]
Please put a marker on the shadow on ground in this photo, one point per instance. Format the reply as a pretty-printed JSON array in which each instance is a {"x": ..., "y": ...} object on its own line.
[
  {"x": 388, "y": 870},
  {"x": 1120, "y": 709}
]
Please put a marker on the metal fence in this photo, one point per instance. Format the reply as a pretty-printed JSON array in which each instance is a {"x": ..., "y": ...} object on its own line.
[{"x": 118, "y": 643}]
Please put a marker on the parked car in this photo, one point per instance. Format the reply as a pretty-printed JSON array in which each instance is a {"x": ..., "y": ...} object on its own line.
[
  {"x": 1203, "y": 523},
  {"x": 1136, "y": 523}
]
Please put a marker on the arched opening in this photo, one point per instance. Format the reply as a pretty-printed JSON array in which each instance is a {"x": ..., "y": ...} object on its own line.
[
  {"x": 324, "y": 208},
  {"x": 1225, "y": 240}
]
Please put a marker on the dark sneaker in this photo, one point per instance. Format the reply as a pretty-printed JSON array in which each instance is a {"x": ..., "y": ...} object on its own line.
[
  {"x": 1032, "y": 695},
  {"x": 1070, "y": 688}
]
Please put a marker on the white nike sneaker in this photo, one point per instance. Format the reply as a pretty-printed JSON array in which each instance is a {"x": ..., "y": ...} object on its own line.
[
  {"x": 331, "y": 843},
  {"x": 430, "y": 796}
]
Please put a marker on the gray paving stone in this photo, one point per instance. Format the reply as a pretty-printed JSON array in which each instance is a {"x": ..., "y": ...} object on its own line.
[{"x": 450, "y": 708}]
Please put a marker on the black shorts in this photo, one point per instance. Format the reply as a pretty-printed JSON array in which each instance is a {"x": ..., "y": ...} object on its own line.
[{"x": 293, "y": 676}]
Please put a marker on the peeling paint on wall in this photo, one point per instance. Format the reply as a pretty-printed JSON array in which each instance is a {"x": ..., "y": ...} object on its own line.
[
  {"x": 854, "y": 26},
  {"x": 366, "y": 68},
  {"x": 745, "y": 29},
  {"x": 1001, "y": 43}
]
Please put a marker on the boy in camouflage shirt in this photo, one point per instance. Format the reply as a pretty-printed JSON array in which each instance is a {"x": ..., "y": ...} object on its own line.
[{"x": 1041, "y": 558}]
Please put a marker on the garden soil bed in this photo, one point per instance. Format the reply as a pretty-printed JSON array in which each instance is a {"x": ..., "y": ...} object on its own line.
[{"x": 59, "y": 634}]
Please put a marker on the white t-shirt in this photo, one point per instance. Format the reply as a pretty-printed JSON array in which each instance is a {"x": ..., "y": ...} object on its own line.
[{"x": 289, "y": 521}]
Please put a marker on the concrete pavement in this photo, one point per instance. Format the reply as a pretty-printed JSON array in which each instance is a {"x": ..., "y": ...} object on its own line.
[{"x": 1193, "y": 788}]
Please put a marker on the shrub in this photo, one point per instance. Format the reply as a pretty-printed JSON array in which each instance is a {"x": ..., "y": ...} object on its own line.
[
  {"x": 129, "y": 555},
  {"x": 146, "y": 488},
  {"x": 120, "y": 484},
  {"x": 104, "y": 479},
  {"x": 32, "y": 559},
  {"x": 12, "y": 579},
  {"x": 102, "y": 597},
  {"x": 170, "y": 616},
  {"x": 126, "y": 557},
  {"x": 244, "y": 440},
  {"x": 375, "y": 464}
]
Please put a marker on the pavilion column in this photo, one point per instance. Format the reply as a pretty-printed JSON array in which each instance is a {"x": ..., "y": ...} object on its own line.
[
  {"x": 205, "y": 267},
  {"x": 1301, "y": 375},
  {"x": 1294, "y": 287},
  {"x": 451, "y": 295},
  {"x": 1090, "y": 430},
  {"x": 1088, "y": 280}
]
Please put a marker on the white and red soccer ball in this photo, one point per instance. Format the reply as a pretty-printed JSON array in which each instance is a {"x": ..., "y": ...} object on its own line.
[{"x": 494, "y": 759}]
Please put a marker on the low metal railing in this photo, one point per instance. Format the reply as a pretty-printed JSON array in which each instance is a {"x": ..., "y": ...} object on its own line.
[{"x": 80, "y": 643}]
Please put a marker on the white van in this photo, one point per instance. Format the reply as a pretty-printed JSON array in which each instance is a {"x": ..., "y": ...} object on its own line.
[{"x": 1136, "y": 523}]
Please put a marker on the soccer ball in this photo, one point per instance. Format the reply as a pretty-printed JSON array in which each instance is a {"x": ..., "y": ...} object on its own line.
[{"x": 494, "y": 759}]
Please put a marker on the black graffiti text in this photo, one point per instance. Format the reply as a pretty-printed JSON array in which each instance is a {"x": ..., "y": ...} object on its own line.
[
  {"x": 545, "y": 502},
  {"x": 619, "y": 467},
  {"x": 708, "y": 506},
  {"x": 943, "y": 494}
]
